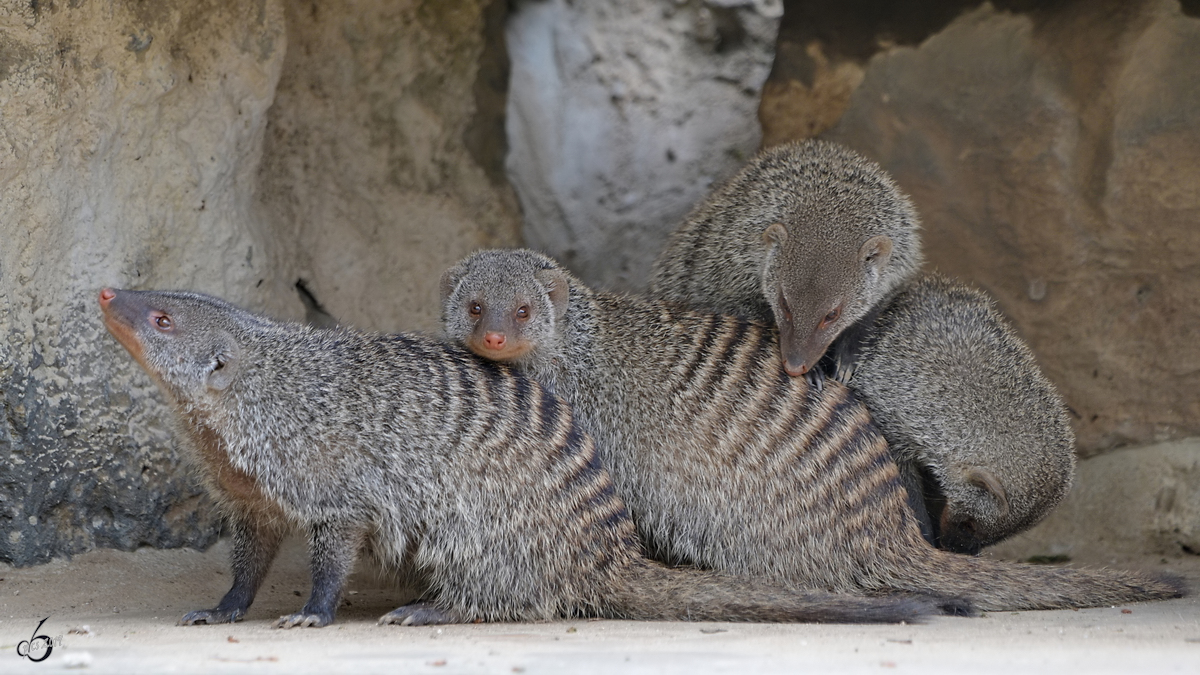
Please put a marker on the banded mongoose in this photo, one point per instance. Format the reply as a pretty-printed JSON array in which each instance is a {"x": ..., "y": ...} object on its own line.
[
  {"x": 724, "y": 460},
  {"x": 792, "y": 239},
  {"x": 959, "y": 396},
  {"x": 478, "y": 479}
]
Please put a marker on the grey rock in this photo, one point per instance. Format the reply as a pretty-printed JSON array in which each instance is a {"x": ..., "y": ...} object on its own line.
[{"x": 623, "y": 114}]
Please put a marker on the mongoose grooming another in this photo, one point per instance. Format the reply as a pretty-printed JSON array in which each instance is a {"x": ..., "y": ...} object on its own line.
[
  {"x": 957, "y": 393},
  {"x": 790, "y": 240},
  {"x": 809, "y": 235},
  {"x": 477, "y": 479},
  {"x": 725, "y": 461}
]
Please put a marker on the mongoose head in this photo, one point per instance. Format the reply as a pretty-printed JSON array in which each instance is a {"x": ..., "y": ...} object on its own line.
[
  {"x": 505, "y": 305},
  {"x": 185, "y": 341},
  {"x": 839, "y": 237},
  {"x": 834, "y": 233},
  {"x": 815, "y": 296}
]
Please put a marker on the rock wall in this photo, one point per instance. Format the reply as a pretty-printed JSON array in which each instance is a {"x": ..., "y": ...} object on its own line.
[
  {"x": 377, "y": 168},
  {"x": 622, "y": 114},
  {"x": 227, "y": 147},
  {"x": 1051, "y": 151}
]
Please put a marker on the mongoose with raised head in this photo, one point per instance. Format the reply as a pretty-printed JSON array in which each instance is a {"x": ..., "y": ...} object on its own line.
[
  {"x": 477, "y": 479},
  {"x": 724, "y": 461},
  {"x": 793, "y": 238},
  {"x": 809, "y": 235}
]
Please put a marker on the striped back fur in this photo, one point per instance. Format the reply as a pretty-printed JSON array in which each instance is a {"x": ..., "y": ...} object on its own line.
[
  {"x": 725, "y": 461},
  {"x": 475, "y": 475}
]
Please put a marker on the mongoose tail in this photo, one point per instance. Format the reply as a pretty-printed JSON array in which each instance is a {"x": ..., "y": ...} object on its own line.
[
  {"x": 653, "y": 592},
  {"x": 477, "y": 476},
  {"x": 997, "y": 585}
]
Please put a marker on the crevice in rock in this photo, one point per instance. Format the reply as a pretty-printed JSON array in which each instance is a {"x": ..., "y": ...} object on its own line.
[
  {"x": 314, "y": 313},
  {"x": 484, "y": 136}
]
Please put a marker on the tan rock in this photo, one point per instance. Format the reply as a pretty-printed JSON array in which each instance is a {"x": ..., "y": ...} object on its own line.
[
  {"x": 366, "y": 174},
  {"x": 1053, "y": 159}
]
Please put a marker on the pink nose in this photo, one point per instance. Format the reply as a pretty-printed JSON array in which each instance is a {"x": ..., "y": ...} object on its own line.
[
  {"x": 106, "y": 296},
  {"x": 494, "y": 340},
  {"x": 794, "y": 370}
]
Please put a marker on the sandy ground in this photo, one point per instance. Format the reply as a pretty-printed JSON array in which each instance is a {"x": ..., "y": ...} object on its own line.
[{"x": 114, "y": 612}]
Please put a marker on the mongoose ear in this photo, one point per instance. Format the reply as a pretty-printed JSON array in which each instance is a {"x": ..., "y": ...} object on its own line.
[
  {"x": 775, "y": 233},
  {"x": 988, "y": 481},
  {"x": 557, "y": 288},
  {"x": 876, "y": 252},
  {"x": 224, "y": 366},
  {"x": 450, "y": 279}
]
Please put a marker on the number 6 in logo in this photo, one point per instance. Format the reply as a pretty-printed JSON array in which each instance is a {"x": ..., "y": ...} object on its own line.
[{"x": 36, "y": 644}]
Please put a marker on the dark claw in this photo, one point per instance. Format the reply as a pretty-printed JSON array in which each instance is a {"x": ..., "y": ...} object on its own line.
[
  {"x": 845, "y": 371},
  {"x": 212, "y": 616},
  {"x": 419, "y": 614},
  {"x": 302, "y": 620},
  {"x": 815, "y": 379}
]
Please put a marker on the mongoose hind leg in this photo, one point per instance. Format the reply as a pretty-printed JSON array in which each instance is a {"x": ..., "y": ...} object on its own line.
[
  {"x": 916, "y": 496},
  {"x": 420, "y": 614},
  {"x": 255, "y": 544},
  {"x": 332, "y": 548}
]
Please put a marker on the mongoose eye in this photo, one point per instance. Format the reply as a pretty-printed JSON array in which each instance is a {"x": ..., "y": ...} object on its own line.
[
  {"x": 831, "y": 316},
  {"x": 783, "y": 304},
  {"x": 523, "y": 312},
  {"x": 163, "y": 322},
  {"x": 475, "y": 309}
]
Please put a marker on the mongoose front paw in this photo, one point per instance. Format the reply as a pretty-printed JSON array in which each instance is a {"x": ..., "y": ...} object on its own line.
[
  {"x": 212, "y": 616},
  {"x": 844, "y": 372},
  {"x": 419, "y": 614},
  {"x": 815, "y": 379},
  {"x": 304, "y": 620}
]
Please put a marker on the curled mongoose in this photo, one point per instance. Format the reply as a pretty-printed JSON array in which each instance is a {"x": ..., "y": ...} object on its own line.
[
  {"x": 821, "y": 241},
  {"x": 725, "y": 461},
  {"x": 449, "y": 468},
  {"x": 959, "y": 396}
]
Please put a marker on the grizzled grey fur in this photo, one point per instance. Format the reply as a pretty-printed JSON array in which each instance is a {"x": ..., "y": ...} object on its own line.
[
  {"x": 787, "y": 240},
  {"x": 447, "y": 467},
  {"x": 725, "y": 461}
]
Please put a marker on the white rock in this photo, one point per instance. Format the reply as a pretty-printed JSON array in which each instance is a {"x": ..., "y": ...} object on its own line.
[{"x": 621, "y": 116}]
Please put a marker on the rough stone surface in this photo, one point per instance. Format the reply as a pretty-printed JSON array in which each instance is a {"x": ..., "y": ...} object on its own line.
[
  {"x": 375, "y": 171},
  {"x": 1052, "y": 156},
  {"x": 128, "y": 147},
  {"x": 1136, "y": 499},
  {"x": 139, "y": 148},
  {"x": 622, "y": 114}
]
